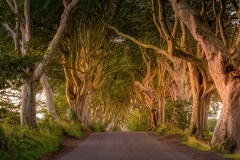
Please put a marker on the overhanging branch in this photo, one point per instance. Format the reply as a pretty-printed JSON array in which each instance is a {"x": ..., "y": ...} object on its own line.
[{"x": 144, "y": 45}]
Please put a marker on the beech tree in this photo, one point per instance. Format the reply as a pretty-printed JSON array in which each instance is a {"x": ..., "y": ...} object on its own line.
[
  {"x": 153, "y": 91},
  {"x": 22, "y": 35},
  {"x": 84, "y": 50},
  {"x": 221, "y": 66},
  {"x": 179, "y": 49}
]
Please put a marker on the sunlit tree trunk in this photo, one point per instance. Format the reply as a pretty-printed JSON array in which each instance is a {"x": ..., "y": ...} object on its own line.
[
  {"x": 49, "y": 97},
  {"x": 223, "y": 73},
  {"x": 86, "y": 109},
  {"x": 77, "y": 95},
  {"x": 152, "y": 102},
  {"x": 28, "y": 103},
  {"x": 161, "y": 94},
  {"x": 202, "y": 92}
]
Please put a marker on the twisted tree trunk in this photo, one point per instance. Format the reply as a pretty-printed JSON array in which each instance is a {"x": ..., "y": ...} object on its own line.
[
  {"x": 225, "y": 76},
  {"x": 201, "y": 101},
  {"x": 152, "y": 102}
]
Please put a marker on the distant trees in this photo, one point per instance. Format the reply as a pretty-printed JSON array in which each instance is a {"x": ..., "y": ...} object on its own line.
[
  {"x": 84, "y": 50},
  {"x": 212, "y": 59}
]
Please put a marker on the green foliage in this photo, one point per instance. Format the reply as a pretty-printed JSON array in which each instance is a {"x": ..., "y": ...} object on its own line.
[
  {"x": 2, "y": 138},
  {"x": 215, "y": 106},
  {"x": 116, "y": 128},
  {"x": 7, "y": 115},
  {"x": 71, "y": 129},
  {"x": 169, "y": 130},
  {"x": 178, "y": 113},
  {"x": 24, "y": 143},
  {"x": 138, "y": 121},
  {"x": 211, "y": 124},
  {"x": 71, "y": 115},
  {"x": 97, "y": 127},
  {"x": 12, "y": 69}
]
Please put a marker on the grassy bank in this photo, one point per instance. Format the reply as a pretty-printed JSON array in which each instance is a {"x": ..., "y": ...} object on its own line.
[
  {"x": 185, "y": 138},
  {"x": 24, "y": 143}
]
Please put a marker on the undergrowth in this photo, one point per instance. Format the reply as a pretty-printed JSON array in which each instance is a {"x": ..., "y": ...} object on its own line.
[
  {"x": 97, "y": 127},
  {"x": 166, "y": 131},
  {"x": 71, "y": 129},
  {"x": 24, "y": 143}
]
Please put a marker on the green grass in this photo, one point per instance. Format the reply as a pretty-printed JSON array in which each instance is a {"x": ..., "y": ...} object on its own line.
[
  {"x": 71, "y": 129},
  {"x": 232, "y": 156},
  {"x": 186, "y": 140},
  {"x": 24, "y": 143},
  {"x": 195, "y": 143},
  {"x": 166, "y": 131}
]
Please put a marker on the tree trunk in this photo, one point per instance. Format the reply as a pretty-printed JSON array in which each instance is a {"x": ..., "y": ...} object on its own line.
[
  {"x": 161, "y": 93},
  {"x": 201, "y": 102},
  {"x": 161, "y": 110},
  {"x": 227, "y": 131},
  {"x": 199, "y": 116},
  {"x": 25, "y": 24},
  {"x": 78, "y": 96},
  {"x": 28, "y": 104},
  {"x": 80, "y": 108},
  {"x": 152, "y": 102},
  {"x": 224, "y": 74},
  {"x": 49, "y": 97},
  {"x": 86, "y": 110}
]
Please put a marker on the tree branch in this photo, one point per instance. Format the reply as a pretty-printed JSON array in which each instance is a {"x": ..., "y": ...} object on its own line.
[
  {"x": 8, "y": 29},
  {"x": 211, "y": 89},
  {"x": 11, "y": 5},
  {"x": 56, "y": 39},
  {"x": 171, "y": 71},
  {"x": 188, "y": 57},
  {"x": 149, "y": 46}
]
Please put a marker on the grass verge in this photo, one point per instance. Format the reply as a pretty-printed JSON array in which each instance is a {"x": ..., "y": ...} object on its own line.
[
  {"x": 232, "y": 156},
  {"x": 24, "y": 143},
  {"x": 195, "y": 143},
  {"x": 184, "y": 135},
  {"x": 166, "y": 131}
]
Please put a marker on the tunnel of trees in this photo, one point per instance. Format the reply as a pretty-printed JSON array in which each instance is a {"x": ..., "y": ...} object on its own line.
[{"x": 122, "y": 65}]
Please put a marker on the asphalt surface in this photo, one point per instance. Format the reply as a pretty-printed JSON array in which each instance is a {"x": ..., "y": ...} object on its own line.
[{"x": 123, "y": 146}]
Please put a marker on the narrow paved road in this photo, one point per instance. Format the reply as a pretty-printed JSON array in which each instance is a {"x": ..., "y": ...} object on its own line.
[{"x": 123, "y": 146}]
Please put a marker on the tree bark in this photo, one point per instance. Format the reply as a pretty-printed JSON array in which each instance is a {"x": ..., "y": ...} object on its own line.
[
  {"x": 224, "y": 74},
  {"x": 152, "y": 102},
  {"x": 161, "y": 93},
  {"x": 201, "y": 102},
  {"x": 28, "y": 103},
  {"x": 78, "y": 94},
  {"x": 49, "y": 97}
]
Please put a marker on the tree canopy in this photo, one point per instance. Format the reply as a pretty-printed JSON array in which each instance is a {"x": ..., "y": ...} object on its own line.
[{"x": 125, "y": 64}]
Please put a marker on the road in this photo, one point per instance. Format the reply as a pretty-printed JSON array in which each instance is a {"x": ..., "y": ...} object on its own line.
[{"x": 123, "y": 146}]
